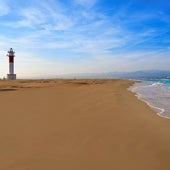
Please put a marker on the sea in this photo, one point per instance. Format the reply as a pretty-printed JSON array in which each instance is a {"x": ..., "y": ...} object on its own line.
[{"x": 155, "y": 92}]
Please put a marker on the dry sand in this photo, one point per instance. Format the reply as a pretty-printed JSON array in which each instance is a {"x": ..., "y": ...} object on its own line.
[{"x": 79, "y": 125}]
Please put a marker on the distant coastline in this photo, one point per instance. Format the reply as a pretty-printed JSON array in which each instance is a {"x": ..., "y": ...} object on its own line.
[{"x": 134, "y": 75}]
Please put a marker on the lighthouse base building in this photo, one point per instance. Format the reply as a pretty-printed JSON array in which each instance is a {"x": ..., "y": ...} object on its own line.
[{"x": 11, "y": 76}]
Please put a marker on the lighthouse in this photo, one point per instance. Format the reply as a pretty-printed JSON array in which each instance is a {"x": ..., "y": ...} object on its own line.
[{"x": 11, "y": 75}]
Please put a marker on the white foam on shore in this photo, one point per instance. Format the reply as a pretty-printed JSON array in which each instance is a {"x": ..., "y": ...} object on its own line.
[{"x": 140, "y": 97}]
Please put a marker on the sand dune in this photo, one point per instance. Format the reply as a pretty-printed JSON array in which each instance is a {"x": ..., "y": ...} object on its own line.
[{"x": 79, "y": 125}]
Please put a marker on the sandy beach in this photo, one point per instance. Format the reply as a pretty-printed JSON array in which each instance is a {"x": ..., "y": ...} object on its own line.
[{"x": 79, "y": 125}]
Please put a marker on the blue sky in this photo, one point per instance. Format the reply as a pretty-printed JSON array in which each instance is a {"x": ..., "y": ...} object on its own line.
[{"x": 58, "y": 37}]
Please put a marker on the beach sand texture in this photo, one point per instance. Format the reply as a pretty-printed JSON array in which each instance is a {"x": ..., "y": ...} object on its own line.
[{"x": 79, "y": 125}]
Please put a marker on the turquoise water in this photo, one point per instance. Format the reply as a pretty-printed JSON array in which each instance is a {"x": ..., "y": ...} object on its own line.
[
  {"x": 165, "y": 82},
  {"x": 156, "y": 93}
]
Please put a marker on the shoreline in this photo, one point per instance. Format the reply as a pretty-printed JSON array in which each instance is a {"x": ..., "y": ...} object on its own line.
[
  {"x": 158, "y": 110},
  {"x": 80, "y": 124}
]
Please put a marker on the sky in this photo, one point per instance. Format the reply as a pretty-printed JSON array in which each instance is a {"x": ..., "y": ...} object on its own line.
[{"x": 56, "y": 37}]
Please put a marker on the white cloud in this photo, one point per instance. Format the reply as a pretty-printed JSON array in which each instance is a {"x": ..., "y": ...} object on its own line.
[
  {"x": 31, "y": 17},
  {"x": 58, "y": 18},
  {"x": 48, "y": 15}
]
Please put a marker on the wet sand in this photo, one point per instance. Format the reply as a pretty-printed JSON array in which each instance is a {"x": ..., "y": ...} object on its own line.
[{"x": 79, "y": 125}]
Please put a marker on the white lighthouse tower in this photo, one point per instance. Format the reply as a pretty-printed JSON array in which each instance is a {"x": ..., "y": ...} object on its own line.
[{"x": 11, "y": 75}]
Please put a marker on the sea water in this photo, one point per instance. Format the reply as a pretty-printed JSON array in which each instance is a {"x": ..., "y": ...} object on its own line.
[{"x": 156, "y": 93}]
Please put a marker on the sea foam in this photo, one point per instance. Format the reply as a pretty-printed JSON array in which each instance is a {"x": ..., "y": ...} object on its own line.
[{"x": 155, "y": 94}]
